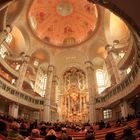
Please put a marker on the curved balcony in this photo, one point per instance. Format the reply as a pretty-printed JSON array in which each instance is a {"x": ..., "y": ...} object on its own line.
[
  {"x": 127, "y": 59},
  {"x": 129, "y": 85},
  {"x": 12, "y": 93},
  {"x": 8, "y": 68},
  {"x": 13, "y": 71},
  {"x": 126, "y": 86}
]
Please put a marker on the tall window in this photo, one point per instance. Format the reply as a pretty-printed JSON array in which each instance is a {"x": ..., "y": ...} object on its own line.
[
  {"x": 3, "y": 51},
  {"x": 107, "y": 114},
  {"x": 40, "y": 83},
  {"x": 128, "y": 70},
  {"x": 100, "y": 80},
  {"x": 9, "y": 38}
]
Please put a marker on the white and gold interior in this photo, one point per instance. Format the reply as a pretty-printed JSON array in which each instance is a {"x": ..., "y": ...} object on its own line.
[{"x": 59, "y": 59}]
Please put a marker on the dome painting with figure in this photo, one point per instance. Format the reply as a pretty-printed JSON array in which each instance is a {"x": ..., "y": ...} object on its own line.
[{"x": 63, "y": 22}]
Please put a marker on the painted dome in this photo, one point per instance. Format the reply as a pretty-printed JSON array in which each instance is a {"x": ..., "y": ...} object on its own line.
[{"x": 63, "y": 22}]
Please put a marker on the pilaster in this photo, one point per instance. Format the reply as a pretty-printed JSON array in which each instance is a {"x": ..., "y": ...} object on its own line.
[
  {"x": 4, "y": 33},
  {"x": 124, "y": 108},
  {"x": 22, "y": 71},
  {"x": 47, "y": 103},
  {"x": 113, "y": 66},
  {"x": 92, "y": 91},
  {"x": 13, "y": 110}
]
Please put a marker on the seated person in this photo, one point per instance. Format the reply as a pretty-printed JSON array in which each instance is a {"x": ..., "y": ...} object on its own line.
[
  {"x": 108, "y": 125},
  {"x": 3, "y": 129},
  {"x": 138, "y": 135},
  {"x": 64, "y": 135},
  {"x": 110, "y": 136},
  {"x": 138, "y": 124},
  {"x": 14, "y": 133},
  {"x": 118, "y": 123},
  {"x": 127, "y": 134},
  {"x": 51, "y": 135},
  {"x": 90, "y": 135},
  {"x": 35, "y": 135}
]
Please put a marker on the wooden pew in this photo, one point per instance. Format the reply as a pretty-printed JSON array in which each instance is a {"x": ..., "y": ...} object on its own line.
[{"x": 100, "y": 134}]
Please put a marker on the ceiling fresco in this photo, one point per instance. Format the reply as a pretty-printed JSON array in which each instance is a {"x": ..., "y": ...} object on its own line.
[{"x": 63, "y": 22}]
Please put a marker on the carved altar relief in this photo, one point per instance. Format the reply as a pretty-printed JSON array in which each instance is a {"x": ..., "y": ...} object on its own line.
[
  {"x": 75, "y": 77},
  {"x": 75, "y": 101},
  {"x": 73, "y": 104},
  {"x": 74, "y": 107}
]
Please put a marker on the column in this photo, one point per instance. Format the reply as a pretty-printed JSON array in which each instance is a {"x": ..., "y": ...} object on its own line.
[
  {"x": 47, "y": 94},
  {"x": 31, "y": 115},
  {"x": 53, "y": 91},
  {"x": 36, "y": 115},
  {"x": 84, "y": 101},
  {"x": 22, "y": 71},
  {"x": 100, "y": 117},
  {"x": 68, "y": 104},
  {"x": 92, "y": 91},
  {"x": 4, "y": 33},
  {"x": 124, "y": 108},
  {"x": 13, "y": 110},
  {"x": 41, "y": 115},
  {"x": 61, "y": 107},
  {"x": 65, "y": 105},
  {"x": 113, "y": 67},
  {"x": 53, "y": 96},
  {"x": 81, "y": 104}
]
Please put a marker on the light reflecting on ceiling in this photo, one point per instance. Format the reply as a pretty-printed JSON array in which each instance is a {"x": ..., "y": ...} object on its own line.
[{"x": 63, "y": 22}]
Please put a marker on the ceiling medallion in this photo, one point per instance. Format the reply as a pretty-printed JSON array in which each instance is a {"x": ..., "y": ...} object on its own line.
[{"x": 64, "y": 8}]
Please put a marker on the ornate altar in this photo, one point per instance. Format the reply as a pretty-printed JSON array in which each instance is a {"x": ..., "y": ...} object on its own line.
[{"x": 74, "y": 98}]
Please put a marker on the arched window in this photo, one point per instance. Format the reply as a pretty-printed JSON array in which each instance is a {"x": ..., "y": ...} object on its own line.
[
  {"x": 100, "y": 80},
  {"x": 9, "y": 38},
  {"x": 107, "y": 114}
]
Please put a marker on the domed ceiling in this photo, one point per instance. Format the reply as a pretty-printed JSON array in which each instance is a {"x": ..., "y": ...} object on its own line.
[{"x": 63, "y": 22}]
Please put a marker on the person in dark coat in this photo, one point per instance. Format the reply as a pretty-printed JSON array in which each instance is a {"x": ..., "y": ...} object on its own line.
[
  {"x": 127, "y": 134},
  {"x": 110, "y": 136}
]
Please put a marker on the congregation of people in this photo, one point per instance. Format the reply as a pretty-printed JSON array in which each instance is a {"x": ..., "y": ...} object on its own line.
[{"x": 21, "y": 129}]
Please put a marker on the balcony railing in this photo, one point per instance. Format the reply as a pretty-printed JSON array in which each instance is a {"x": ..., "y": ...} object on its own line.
[
  {"x": 127, "y": 59},
  {"x": 9, "y": 91},
  {"x": 121, "y": 90}
]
